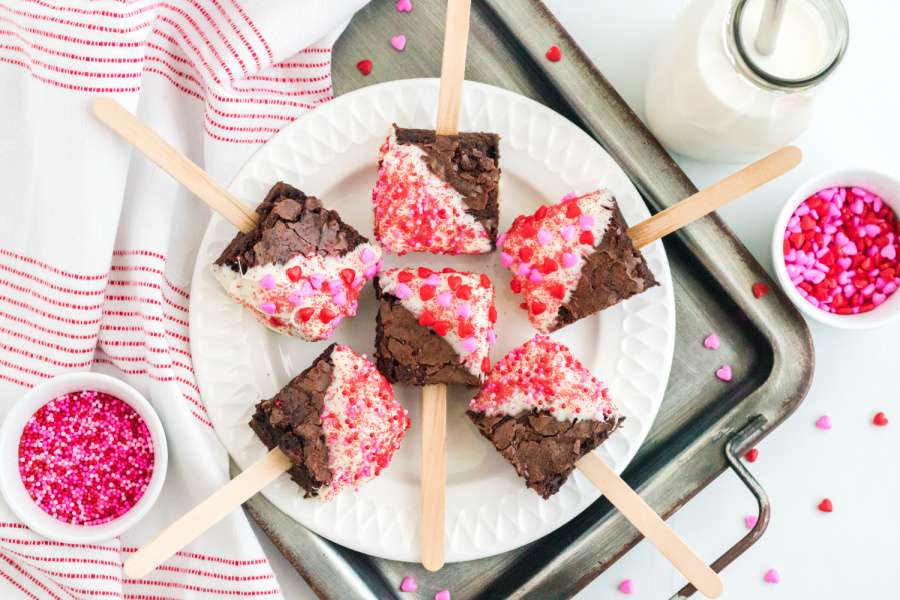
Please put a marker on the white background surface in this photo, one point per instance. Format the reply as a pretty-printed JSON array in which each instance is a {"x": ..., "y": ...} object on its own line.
[{"x": 852, "y": 552}]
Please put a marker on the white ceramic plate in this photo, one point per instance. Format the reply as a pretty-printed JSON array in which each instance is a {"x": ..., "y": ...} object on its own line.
[{"x": 331, "y": 153}]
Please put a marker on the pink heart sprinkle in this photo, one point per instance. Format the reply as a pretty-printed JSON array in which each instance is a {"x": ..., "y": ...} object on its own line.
[
  {"x": 505, "y": 259},
  {"x": 771, "y": 576},
  {"x": 408, "y": 584},
  {"x": 750, "y": 521},
  {"x": 267, "y": 282},
  {"x": 626, "y": 587},
  {"x": 398, "y": 42},
  {"x": 711, "y": 342},
  {"x": 724, "y": 373},
  {"x": 543, "y": 237},
  {"x": 889, "y": 252},
  {"x": 403, "y": 6},
  {"x": 268, "y": 307},
  {"x": 823, "y": 422},
  {"x": 442, "y": 595}
]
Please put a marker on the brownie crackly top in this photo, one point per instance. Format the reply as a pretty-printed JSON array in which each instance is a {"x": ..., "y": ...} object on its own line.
[
  {"x": 290, "y": 224},
  {"x": 469, "y": 162},
  {"x": 291, "y": 420}
]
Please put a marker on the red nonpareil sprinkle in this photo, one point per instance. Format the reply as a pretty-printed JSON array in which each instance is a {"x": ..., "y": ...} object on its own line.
[
  {"x": 86, "y": 457},
  {"x": 825, "y": 506},
  {"x": 880, "y": 419},
  {"x": 554, "y": 54},
  {"x": 751, "y": 455},
  {"x": 759, "y": 290},
  {"x": 364, "y": 66},
  {"x": 842, "y": 250}
]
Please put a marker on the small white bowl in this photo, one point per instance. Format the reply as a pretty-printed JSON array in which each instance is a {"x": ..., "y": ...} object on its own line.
[
  {"x": 878, "y": 183},
  {"x": 13, "y": 489}
]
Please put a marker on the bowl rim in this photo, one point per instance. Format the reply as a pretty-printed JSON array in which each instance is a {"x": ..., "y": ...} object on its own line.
[
  {"x": 13, "y": 490},
  {"x": 845, "y": 177}
]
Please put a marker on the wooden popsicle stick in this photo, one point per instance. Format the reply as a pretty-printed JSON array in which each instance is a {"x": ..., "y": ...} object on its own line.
[
  {"x": 434, "y": 476},
  {"x": 434, "y": 397},
  {"x": 651, "y": 525},
  {"x": 180, "y": 167},
  {"x": 206, "y": 514},
  {"x": 715, "y": 196},
  {"x": 453, "y": 66}
]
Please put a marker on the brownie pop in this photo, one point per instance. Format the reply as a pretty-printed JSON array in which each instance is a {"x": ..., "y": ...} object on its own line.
[
  {"x": 434, "y": 327},
  {"x": 337, "y": 422},
  {"x": 301, "y": 268},
  {"x": 542, "y": 410},
  {"x": 572, "y": 259},
  {"x": 437, "y": 193}
]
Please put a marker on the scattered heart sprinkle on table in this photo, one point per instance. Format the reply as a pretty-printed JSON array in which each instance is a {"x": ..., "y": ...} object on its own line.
[
  {"x": 364, "y": 66},
  {"x": 772, "y": 576},
  {"x": 554, "y": 54},
  {"x": 825, "y": 506},
  {"x": 626, "y": 587},
  {"x": 398, "y": 42},
  {"x": 442, "y": 595},
  {"x": 403, "y": 6},
  {"x": 750, "y": 521},
  {"x": 823, "y": 422},
  {"x": 711, "y": 342},
  {"x": 880, "y": 419},
  {"x": 724, "y": 373},
  {"x": 751, "y": 455},
  {"x": 408, "y": 584},
  {"x": 759, "y": 289}
]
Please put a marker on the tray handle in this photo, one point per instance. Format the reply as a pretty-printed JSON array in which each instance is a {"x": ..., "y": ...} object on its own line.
[{"x": 733, "y": 449}]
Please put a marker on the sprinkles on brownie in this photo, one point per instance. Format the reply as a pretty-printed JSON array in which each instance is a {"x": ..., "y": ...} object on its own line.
[
  {"x": 337, "y": 422},
  {"x": 542, "y": 410},
  {"x": 437, "y": 193},
  {"x": 572, "y": 259},
  {"x": 434, "y": 327},
  {"x": 300, "y": 271}
]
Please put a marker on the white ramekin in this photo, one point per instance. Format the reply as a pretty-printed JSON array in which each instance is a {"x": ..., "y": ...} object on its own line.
[
  {"x": 878, "y": 183},
  {"x": 13, "y": 489}
]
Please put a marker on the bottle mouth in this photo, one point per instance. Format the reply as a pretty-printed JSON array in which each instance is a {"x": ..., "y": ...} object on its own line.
[{"x": 834, "y": 18}]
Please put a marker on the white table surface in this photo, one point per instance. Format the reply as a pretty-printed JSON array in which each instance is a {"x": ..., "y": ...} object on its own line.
[{"x": 852, "y": 552}]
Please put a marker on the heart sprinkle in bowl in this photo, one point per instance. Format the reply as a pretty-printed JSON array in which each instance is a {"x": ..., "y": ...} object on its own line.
[
  {"x": 836, "y": 248},
  {"x": 82, "y": 457}
]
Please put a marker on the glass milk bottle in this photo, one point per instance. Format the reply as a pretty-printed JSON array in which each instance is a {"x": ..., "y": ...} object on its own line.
[{"x": 712, "y": 94}]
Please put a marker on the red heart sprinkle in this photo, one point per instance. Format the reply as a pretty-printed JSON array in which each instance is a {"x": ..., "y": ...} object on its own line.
[
  {"x": 752, "y": 455},
  {"x": 528, "y": 230},
  {"x": 426, "y": 319},
  {"x": 348, "y": 275},
  {"x": 325, "y": 315},
  {"x": 306, "y": 313},
  {"x": 453, "y": 281},
  {"x": 485, "y": 281},
  {"x": 294, "y": 274},
  {"x": 465, "y": 329},
  {"x": 759, "y": 290},
  {"x": 441, "y": 327},
  {"x": 526, "y": 253},
  {"x": 573, "y": 210},
  {"x": 492, "y": 314},
  {"x": 404, "y": 276},
  {"x": 825, "y": 506},
  {"x": 880, "y": 419},
  {"x": 486, "y": 365},
  {"x": 424, "y": 272},
  {"x": 448, "y": 270},
  {"x": 426, "y": 292},
  {"x": 558, "y": 291},
  {"x": 515, "y": 285},
  {"x": 586, "y": 237},
  {"x": 541, "y": 212},
  {"x": 464, "y": 292},
  {"x": 538, "y": 307},
  {"x": 364, "y": 66},
  {"x": 554, "y": 54},
  {"x": 549, "y": 266}
]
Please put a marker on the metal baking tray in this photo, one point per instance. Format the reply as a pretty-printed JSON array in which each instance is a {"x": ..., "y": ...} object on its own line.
[{"x": 702, "y": 426}]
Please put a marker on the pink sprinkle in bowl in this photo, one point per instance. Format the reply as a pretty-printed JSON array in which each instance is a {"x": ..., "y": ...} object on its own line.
[
  {"x": 17, "y": 496},
  {"x": 876, "y": 182}
]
